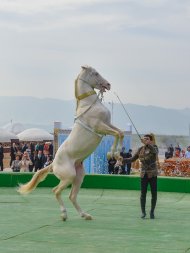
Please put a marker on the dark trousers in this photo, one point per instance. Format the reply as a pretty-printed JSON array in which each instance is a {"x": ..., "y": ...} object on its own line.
[
  {"x": 111, "y": 169},
  {"x": 128, "y": 168},
  {"x": 1, "y": 164},
  {"x": 145, "y": 181}
]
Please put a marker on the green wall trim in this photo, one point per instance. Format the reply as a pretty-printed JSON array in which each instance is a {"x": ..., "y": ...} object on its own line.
[{"x": 166, "y": 184}]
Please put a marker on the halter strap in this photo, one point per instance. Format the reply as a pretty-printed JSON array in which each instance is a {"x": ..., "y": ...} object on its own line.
[{"x": 84, "y": 95}]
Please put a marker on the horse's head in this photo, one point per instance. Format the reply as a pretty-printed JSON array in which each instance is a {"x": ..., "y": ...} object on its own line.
[{"x": 94, "y": 79}]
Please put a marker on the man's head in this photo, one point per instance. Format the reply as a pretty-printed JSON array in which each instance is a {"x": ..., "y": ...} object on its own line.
[
  {"x": 148, "y": 136},
  {"x": 147, "y": 139}
]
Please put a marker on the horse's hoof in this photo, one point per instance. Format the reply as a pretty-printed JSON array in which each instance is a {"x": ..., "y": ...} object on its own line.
[
  {"x": 64, "y": 217},
  {"x": 116, "y": 154},
  {"x": 86, "y": 216}
]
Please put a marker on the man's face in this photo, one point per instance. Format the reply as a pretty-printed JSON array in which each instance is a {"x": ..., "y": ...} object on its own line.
[{"x": 147, "y": 140}]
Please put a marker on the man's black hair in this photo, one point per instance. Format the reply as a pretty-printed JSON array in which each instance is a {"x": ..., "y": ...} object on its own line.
[{"x": 149, "y": 136}]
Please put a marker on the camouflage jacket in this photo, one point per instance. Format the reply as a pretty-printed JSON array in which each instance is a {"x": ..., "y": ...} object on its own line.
[{"x": 147, "y": 155}]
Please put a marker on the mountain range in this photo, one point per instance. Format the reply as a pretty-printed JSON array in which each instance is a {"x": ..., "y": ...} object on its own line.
[{"x": 37, "y": 112}]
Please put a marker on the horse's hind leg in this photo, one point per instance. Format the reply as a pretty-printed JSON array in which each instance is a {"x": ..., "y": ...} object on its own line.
[
  {"x": 75, "y": 189},
  {"x": 57, "y": 190}
]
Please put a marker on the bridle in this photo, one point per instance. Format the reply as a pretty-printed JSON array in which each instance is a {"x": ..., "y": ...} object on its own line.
[{"x": 86, "y": 94}]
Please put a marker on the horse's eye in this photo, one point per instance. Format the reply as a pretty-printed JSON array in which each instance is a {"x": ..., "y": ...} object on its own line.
[{"x": 96, "y": 74}]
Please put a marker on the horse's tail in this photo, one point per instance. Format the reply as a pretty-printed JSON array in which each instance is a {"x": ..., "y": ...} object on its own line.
[{"x": 38, "y": 177}]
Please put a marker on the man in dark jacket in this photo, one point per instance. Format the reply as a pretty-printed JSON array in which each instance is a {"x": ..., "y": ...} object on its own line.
[
  {"x": 129, "y": 155},
  {"x": 147, "y": 154},
  {"x": 111, "y": 163},
  {"x": 1, "y": 156},
  {"x": 13, "y": 152},
  {"x": 124, "y": 155},
  {"x": 39, "y": 160}
]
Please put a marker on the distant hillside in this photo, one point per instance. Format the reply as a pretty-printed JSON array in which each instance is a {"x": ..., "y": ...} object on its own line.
[
  {"x": 155, "y": 119},
  {"x": 35, "y": 112}
]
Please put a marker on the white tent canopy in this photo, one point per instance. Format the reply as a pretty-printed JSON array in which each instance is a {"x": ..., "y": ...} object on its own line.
[
  {"x": 15, "y": 127},
  {"x": 6, "y": 136},
  {"x": 35, "y": 134}
]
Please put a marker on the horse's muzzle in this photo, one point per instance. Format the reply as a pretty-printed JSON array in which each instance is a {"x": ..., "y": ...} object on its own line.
[{"x": 106, "y": 86}]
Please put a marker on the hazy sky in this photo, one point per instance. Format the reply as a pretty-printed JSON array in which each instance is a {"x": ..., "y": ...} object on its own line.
[{"x": 142, "y": 47}]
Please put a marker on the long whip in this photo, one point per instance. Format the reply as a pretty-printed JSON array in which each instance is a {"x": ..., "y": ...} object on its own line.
[{"x": 127, "y": 115}]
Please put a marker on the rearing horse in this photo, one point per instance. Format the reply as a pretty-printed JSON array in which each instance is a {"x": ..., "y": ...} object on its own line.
[{"x": 93, "y": 120}]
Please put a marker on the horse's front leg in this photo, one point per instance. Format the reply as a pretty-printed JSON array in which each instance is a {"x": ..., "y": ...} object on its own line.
[
  {"x": 120, "y": 142},
  {"x": 75, "y": 189},
  {"x": 114, "y": 131},
  {"x": 114, "y": 145}
]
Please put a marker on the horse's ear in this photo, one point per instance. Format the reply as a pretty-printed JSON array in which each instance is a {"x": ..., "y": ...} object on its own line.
[{"x": 85, "y": 67}]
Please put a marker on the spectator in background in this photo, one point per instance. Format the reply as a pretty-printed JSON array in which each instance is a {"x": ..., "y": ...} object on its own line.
[
  {"x": 23, "y": 147},
  {"x": 171, "y": 150},
  {"x": 187, "y": 153},
  {"x": 32, "y": 148},
  {"x": 25, "y": 162},
  {"x": 15, "y": 166},
  {"x": 46, "y": 148},
  {"x": 129, "y": 155},
  {"x": 168, "y": 154},
  {"x": 182, "y": 153},
  {"x": 49, "y": 161},
  {"x": 13, "y": 152},
  {"x": 111, "y": 163},
  {"x": 177, "y": 152},
  {"x": 118, "y": 168},
  {"x": 20, "y": 154},
  {"x": 124, "y": 155},
  {"x": 51, "y": 149},
  {"x": 31, "y": 152},
  {"x": 1, "y": 156},
  {"x": 39, "y": 161},
  {"x": 37, "y": 146}
]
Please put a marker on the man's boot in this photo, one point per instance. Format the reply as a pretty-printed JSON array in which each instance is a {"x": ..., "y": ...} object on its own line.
[
  {"x": 143, "y": 203},
  {"x": 153, "y": 205}
]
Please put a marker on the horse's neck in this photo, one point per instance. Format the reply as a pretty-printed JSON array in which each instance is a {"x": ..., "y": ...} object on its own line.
[
  {"x": 87, "y": 102},
  {"x": 82, "y": 87}
]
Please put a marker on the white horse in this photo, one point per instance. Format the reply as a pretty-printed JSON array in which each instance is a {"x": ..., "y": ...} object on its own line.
[{"x": 93, "y": 120}]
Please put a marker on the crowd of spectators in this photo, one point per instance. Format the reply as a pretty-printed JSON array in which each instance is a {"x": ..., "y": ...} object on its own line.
[
  {"x": 177, "y": 152},
  {"x": 118, "y": 166},
  {"x": 1, "y": 156},
  {"x": 30, "y": 157}
]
